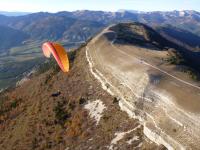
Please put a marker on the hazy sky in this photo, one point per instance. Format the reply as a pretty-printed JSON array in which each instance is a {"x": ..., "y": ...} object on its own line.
[{"x": 108, "y": 5}]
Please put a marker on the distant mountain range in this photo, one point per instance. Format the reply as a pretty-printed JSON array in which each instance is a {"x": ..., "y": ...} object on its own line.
[
  {"x": 181, "y": 37},
  {"x": 80, "y": 25},
  {"x": 10, "y": 36}
]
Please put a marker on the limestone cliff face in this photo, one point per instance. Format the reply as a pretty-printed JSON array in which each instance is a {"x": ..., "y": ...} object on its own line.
[{"x": 147, "y": 87}]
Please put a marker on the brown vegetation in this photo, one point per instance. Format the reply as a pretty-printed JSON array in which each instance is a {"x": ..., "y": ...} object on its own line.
[{"x": 34, "y": 116}]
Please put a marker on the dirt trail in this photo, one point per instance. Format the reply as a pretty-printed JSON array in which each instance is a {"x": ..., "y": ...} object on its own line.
[{"x": 164, "y": 100}]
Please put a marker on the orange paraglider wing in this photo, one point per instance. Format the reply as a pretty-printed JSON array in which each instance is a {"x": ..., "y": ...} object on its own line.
[{"x": 59, "y": 54}]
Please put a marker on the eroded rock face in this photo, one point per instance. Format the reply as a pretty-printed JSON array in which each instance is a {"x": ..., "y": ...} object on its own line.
[{"x": 148, "y": 88}]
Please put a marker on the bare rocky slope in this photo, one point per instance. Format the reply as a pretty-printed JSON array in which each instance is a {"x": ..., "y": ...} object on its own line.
[{"x": 139, "y": 67}]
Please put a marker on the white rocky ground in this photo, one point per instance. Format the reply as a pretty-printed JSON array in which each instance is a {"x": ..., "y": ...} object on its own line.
[
  {"x": 120, "y": 135},
  {"x": 95, "y": 109}
]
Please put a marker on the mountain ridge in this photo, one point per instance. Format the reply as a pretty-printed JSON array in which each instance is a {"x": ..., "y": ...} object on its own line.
[
  {"x": 71, "y": 28},
  {"x": 60, "y": 100},
  {"x": 33, "y": 24}
]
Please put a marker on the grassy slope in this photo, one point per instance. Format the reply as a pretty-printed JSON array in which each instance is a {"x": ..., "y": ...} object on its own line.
[{"x": 34, "y": 119}]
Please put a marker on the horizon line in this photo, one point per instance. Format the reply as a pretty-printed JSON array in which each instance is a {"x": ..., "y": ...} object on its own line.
[{"x": 95, "y": 10}]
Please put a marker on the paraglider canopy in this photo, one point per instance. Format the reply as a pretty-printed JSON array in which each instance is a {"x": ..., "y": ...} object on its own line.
[{"x": 58, "y": 53}]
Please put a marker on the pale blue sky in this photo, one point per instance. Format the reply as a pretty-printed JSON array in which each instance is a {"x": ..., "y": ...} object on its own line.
[{"x": 108, "y": 5}]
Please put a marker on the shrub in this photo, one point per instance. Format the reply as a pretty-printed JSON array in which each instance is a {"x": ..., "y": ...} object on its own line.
[
  {"x": 193, "y": 74},
  {"x": 61, "y": 114},
  {"x": 14, "y": 104},
  {"x": 72, "y": 56},
  {"x": 175, "y": 57},
  {"x": 82, "y": 101},
  {"x": 51, "y": 63},
  {"x": 115, "y": 100}
]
